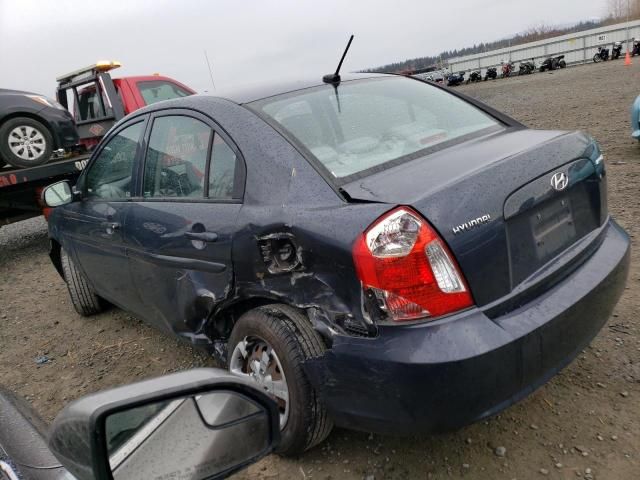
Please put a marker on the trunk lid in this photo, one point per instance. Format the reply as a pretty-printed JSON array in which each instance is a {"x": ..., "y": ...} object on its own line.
[{"x": 492, "y": 201}]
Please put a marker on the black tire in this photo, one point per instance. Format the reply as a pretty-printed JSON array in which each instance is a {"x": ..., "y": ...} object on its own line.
[
  {"x": 41, "y": 150},
  {"x": 83, "y": 298},
  {"x": 294, "y": 341},
  {"x": 596, "y": 58},
  {"x": 562, "y": 64}
]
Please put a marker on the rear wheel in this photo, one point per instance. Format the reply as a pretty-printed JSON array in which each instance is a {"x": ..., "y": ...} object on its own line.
[
  {"x": 83, "y": 298},
  {"x": 25, "y": 142},
  {"x": 269, "y": 346},
  {"x": 562, "y": 64}
]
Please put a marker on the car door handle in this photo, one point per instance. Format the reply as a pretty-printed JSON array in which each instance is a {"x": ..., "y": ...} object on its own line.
[
  {"x": 202, "y": 236},
  {"x": 110, "y": 227}
]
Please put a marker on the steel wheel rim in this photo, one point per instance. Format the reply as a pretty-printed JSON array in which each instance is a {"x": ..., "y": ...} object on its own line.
[
  {"x": 27, "y": 142},
  {"x": 255, "y": 360}
]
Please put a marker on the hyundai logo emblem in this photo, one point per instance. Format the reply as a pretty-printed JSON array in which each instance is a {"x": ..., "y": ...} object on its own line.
[{"x": 559, "y": 181}]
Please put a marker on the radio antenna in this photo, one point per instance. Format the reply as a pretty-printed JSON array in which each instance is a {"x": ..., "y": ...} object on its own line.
[
  {"x": 206, "y": 57},
  {"x": 335, "y": 77}
]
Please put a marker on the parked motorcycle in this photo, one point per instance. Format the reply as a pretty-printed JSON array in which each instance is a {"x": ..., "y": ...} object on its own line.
[
  {"x": 474, "y": 76},
  {"x": 602, "y": 55},
  {"x": 616, "y": 51},
  {"x": 491, "y": 73},
  {"x": 553, "y": 63},
  {"x": 455, "y": 79},
  {"x": 636, "y": 47},
  {"x": 507, "y": 69},
  {"x": 527, "y": 67}
]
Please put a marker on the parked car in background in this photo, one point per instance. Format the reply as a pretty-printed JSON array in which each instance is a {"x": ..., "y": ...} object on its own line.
[
  {"x": 375, "y": 252},
  {"x": 32, "y": 127},
  {"x": 635, "y": 119}
]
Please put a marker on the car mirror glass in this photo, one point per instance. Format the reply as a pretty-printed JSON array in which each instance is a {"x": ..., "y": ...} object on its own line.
[
  {"x": 57, "y": 194},
  {"x": 191, "y": 438}
]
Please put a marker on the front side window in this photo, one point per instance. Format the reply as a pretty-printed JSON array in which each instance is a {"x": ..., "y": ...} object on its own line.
[
  {"x": 176, "y": 161},
  {"x": 365, "y": 124},
  {"x": 159, "y": 90},
  {"x": 110, "y": 174}
]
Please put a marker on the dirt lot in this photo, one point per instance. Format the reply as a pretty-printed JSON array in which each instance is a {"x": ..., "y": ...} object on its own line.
[{"x": 584, "y": 423}]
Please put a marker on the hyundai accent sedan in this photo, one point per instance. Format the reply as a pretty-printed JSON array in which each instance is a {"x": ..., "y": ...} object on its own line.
[{"x": 376, "y": 252}]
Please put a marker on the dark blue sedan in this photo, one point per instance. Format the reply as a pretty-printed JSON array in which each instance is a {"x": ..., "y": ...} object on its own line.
[{"x": 378, "y": 252}]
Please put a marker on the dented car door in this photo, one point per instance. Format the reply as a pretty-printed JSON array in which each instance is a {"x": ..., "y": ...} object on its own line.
[{"x": 180, "y": 231}]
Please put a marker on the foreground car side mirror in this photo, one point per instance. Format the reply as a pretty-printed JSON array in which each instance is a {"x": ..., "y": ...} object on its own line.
[
  {"x": 193, "y": 425},
  {"x": 57, "y": 194}
]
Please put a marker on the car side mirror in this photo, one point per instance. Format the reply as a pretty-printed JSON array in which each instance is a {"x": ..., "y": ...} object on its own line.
[
  {"x": 192, "y": 425},
  {"x": 57, "y": 194}
]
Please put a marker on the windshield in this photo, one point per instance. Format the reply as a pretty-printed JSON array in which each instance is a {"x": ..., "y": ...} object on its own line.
[{"x": 366, "y": 123}]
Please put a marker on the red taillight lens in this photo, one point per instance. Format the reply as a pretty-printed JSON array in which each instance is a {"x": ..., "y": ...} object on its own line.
[{"x": 408, "y": 268}]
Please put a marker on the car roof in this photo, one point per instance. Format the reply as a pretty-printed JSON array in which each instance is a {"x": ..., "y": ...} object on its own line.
[{"x": 251, "y": 93}]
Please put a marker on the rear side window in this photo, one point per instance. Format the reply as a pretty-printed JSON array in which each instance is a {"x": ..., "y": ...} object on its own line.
[
  {"x": 176, "y": 158},
  {"x": 159, "y": 90},
  {"x": 110, "y": 174},
  {"x": 223, "y": 171},
  {"x": 364, "y": 124}
]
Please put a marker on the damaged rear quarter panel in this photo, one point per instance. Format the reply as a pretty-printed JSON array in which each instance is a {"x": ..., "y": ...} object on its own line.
[
  {"x": 321, "y": 227},
  {"x": 285, "y": 198}
]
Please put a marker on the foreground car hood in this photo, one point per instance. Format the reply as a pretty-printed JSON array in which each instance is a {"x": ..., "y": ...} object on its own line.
[{"x": 498, "y": 189}]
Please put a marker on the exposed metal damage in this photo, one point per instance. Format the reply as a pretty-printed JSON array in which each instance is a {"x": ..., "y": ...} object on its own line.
[{"x": 281, "y": 273}]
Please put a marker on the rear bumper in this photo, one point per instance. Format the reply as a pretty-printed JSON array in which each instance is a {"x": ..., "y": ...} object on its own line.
[{"x": 443, "y": 375}]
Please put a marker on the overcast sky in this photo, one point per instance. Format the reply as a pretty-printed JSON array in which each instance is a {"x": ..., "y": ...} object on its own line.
[{"x": 250, "y": 40}]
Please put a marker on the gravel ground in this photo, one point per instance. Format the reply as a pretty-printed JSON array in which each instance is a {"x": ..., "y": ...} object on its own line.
[{"x": 582, "y": 424}]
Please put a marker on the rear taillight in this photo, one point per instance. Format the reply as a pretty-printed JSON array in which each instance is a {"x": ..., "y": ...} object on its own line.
[{"x": 403, "y": 263}]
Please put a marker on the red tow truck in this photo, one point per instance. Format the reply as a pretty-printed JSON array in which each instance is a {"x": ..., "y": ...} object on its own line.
[{"x": 97, "y": 102}]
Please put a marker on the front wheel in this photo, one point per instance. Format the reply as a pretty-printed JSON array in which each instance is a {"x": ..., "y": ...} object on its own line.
[
  {"x": 562, "y": 64},
  {"x": 597, "y": 58},
  {"x": 25, "y": 142},
  {"x": 268, "y": 346},
  {"x": 83, "y": 298}
]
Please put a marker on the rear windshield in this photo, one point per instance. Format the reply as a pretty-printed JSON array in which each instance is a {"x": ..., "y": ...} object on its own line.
[{"x": 364, "y": 124}]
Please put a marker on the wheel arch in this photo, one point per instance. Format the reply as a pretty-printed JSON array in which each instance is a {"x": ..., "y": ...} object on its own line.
[
  {"x": 37, "y": 118},
  {"x": 224, "y": 319}
]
